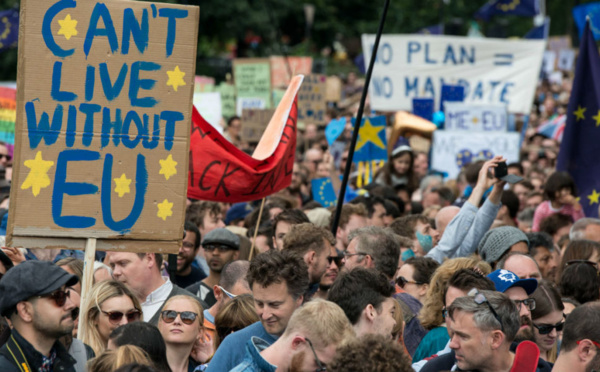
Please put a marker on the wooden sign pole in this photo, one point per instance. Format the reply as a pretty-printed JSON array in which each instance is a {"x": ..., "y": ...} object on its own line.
[{"x": 88, "y": 280}]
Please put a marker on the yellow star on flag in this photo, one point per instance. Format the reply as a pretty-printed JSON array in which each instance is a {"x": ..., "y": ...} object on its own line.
[
  {"x": 594, "y": 197},
  {"x": 176, "y": 78},
  {"x": 168, "y": 167},
  {"x": 122, "y": 185},
  {"x": 597, "y": 118},
  {"x": 369, "y": 133},
  {"x": 579, "y": 113},
  {"x": 37, "y": 178},
  {"x": 67, "y": 27},
  {"x": 165, "y": 209}
]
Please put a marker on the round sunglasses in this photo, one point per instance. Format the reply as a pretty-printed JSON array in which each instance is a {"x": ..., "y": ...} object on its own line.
[
  {"x": 60, "y": 297},
  {"x": 187, "y": 317},
  {"x": 115, "y": 317}
]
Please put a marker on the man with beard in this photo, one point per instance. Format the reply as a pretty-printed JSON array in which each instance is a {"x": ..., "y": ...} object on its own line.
[
  {"x": 333, "y": 270},
  {"x": 541, "y": 248},
  {"x": 580, "y": 348},
  {"x": 309, "y": 343},
  {"x": 34, "y": 296},
  {"x": 188, "y": 274},
  {"x": 221, "y": 246}
]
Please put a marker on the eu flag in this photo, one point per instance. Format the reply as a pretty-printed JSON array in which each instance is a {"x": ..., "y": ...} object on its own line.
[
  {"x": 582, "y": 12},
  {"x": 527, "y": 8},
  {"x": 579, "y": 150},
  {"x": 9, "y": 29},
  {"x": 323, "y": 192},
  {"x": 371, "y": 144}
]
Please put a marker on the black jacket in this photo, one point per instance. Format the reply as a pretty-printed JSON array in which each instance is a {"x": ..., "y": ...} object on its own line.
[{"x": 16, "y": 344}]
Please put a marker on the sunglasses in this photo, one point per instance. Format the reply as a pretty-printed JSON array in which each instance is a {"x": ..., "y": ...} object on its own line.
[
  {"x": 7, "y": 157},
  {"x": 187, "y": 317},
  {"x": 544, "y": 329},
  {"x": 59, "y": 297},
  {"x": 402, "y": 281},
  {"x": 339, "y": 260},
  {"x": 115, "y": 316},
  {"x": 479, "y": 299},
  {"x": 228, "y": 294},
  {"x": 529, "y": 303},
  {"x": 321, "y": 367}
]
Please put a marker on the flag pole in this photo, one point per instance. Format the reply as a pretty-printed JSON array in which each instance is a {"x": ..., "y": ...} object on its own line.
[
  {"x": 359, "y": 116},
  {"x": 262, "y": 206}
]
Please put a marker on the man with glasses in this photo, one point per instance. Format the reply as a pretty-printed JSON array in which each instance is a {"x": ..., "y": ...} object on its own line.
[
  {"x": 580, "y": 348},
  {"x": 309, "y": 343},
  {"x": 221, "y": 246},
  {"x": 34, "y": 297},
  {"x": 188, "y": 274}
]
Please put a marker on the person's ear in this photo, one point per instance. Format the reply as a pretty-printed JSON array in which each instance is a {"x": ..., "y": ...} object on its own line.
[
  {"x": 370, "y": 312},
  {"x": 586, "y": 350},
  {"x": 297, "y": 341},
  {"x": 423, "y": 289},
  {"x": 497, "y": 338},
  {"x": 217, "y": 292},
  {"x": 236, "y": 255},
  {"x": 25, "y": 311}
]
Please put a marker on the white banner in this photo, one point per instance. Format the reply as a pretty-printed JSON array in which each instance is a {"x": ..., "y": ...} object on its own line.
[
  {"x": 453, "y": 149},
  {"x": 209, "y": 106},
  {"x": 491, "y": 70},
  {"x": 480, "y": 118}
]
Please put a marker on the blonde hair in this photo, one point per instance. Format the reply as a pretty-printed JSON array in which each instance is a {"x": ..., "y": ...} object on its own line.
[
  {"x": 323, "y": 322},
  {"x": 101, "y": 292},
  {"x": 398, "y": 330},
  {"x": 194, "y": 302},
  {"x": 234, "y": 316},
  {"x": 431, "y": 313},
  {"x": 111, "y": 360}
]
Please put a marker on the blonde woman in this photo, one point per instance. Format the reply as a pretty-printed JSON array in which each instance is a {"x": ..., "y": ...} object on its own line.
[
  {"x": 181, "y": 325},
  {"x": 111, "y": 360},
  {"x": 111, "y": 304}
]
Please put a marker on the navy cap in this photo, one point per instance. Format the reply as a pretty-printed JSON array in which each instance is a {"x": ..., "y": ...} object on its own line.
[
  {"x": 222, "y": 236},
  {"x": 31, "y": 278},
  {"x": 505, "y": 279},
  {"x": 238, "y": 211}
]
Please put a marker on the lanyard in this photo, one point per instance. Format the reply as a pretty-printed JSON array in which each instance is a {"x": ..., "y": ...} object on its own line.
[{"x": 21, "y": 363}]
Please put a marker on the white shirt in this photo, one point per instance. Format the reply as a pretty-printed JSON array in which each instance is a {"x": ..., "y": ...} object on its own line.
[{"x": 156, "y": 299}]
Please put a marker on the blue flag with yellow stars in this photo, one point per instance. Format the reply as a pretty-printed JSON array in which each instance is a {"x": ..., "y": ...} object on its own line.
[
  {"x": 371, "y": 144},
  {"x": 580, "y": 150},
  {"x": 526, "y": 8},
  {"x": 591, "y": 11},
  {"x": 323, "y": 192},
  {"x": 9, "y": 28}
]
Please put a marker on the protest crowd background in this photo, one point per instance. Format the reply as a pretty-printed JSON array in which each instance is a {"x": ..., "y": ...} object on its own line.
[{"x": 468, "y": 238}]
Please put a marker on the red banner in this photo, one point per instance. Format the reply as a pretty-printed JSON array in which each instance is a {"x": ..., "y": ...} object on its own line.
[{"x": 219, "y": 171}]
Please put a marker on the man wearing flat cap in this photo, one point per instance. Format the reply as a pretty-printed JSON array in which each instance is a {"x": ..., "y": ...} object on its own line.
[
  {"x": 221, "y": 246},
  {"x": 34, "y": 296}
]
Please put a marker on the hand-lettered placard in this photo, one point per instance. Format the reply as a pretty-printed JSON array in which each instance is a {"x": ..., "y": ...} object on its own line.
[
  {"x": 311, "y": 99},
  {"x": 283, "y": 68},
  {"x": 104, "y": 101},
  {"x": 254, "y": 123},
  {"x": 252, "y": 78}
]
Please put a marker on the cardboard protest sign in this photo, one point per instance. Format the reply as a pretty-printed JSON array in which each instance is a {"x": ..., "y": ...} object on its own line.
[
  {"x": 311, "y": 100},
  {"x": 209, "y": 106},
  {"x": 333, "y": 89},
  {"x": 566, "y": 58},
  {"x": 252, "y": 79},
  {"x": 480, "y": 118},
  {"x": 8, "y": 114},
  {"x": 254, "y": 123},
  {"x": 204, "y": 84},
  {"x": 104, "y": 101},
  {"x": 451, "y": 150},
  {"x": 227, "y": 100},
  {"x": 491, "y": 70},
  {"x": 280, "y": 74}
]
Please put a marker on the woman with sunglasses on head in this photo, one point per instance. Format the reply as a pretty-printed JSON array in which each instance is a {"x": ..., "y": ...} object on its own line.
[
  {"x": 181, "y": 326},
  {"x": 579, "y": 250},
  {"x": 414, "y": 276},
  {"x": 548, "y": 319},
  {"x": 110, "y": 305}
]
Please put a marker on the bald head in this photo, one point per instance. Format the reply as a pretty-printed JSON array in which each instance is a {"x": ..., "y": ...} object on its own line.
[
  {"x": 521, "y": 264},
  {"x": 444, "y": 216}
]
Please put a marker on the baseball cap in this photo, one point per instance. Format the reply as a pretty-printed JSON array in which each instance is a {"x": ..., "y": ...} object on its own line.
[
  {"x": 31, "y": 278},
  {"x": 505, "y": 279}
]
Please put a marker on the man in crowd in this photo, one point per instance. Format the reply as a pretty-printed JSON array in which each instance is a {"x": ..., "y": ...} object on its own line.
[
  {"x": 375, "y": 209},
  {"x": 418, "y": 228},
  {"x": 221, "y": 246},
  {"x": 310, "y": 341},
  {"x": 521, "y": 264},
  {"x": 352, "y": 217},
  {"x": 34, "y": 296},
  {"x": 373, "y": 248},
  {"x": 207, "y": 216},
  {"x": 586, "y": 228},
  {"x": 278, "y": 281},
  {"x": 283, "y": 223},
  {"x": 365, "y": 295},
  {"x": 188, "y": 274},
  {"x": 541, "y": 248}
]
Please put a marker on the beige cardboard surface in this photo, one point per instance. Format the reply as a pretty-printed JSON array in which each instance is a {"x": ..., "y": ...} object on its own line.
[
  {"x": 334, "y": 89},
  {"x": 311, "y": 99},
  {"x": 280, "y": 74},
  {"x": 104, "y": 99},
  {"x": 254, "y": 123}
]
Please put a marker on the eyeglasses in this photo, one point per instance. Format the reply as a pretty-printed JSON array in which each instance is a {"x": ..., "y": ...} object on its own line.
[
  {"x": 529, "y": 303},
  {"x": 339, "y": 260},
  {"x": 220, "y": 248},
  {"x": 188, "y": 245},
  {"x": 321, "y": 367},
  {"x": 59, "y": 297},
  {"x": 187, "y": 317},
  {"x": 115, "y": 316},
  {"x": 444, "y": 312},
  {"x": 479, "y": 299},
  {"x": 402, "y": 281},
  {"x": 591, "y": 263},
  {"x": 547, "y": 328},
  {"x": 229, "y": 294},
  {"x": 348, "y": 255}
]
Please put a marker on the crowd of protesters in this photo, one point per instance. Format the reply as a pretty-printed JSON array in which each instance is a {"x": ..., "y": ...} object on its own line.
[{"x": 421, "y": 274}]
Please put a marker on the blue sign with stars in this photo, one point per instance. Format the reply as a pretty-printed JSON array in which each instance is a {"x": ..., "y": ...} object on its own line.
[
  {"x": 371, "y": 144},
  {"x": 323, "y": 192}
]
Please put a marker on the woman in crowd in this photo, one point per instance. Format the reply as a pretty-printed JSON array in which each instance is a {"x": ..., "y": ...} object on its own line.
[
  {"x": 145, "y": 336},
  {"x": 579, "y": 281},
  {"x": 235, "y": 315},
  {"x": 111, "y": 360},
  {"x": 548, "y": 319},
  {"x": 110, "y": 305},
  {"x": 180, "y": 324},
  {"x": 414, "y": 276},
  {"x": 579, "y": 251}
]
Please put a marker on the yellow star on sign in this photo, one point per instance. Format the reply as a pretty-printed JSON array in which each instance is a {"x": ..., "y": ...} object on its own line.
[
  {"x": 579, "y": 113},
  {"x": 176, "y": 78},
  {"x": 475, "y": 120},
  {"x": 594, "y": 197},
  {"x": 168, "y": 167},
  {"x": 122, "y": 185},
  {"x": 369, "y": 133},
  {"x": 165, "y": 209},
  {"x": 67, "y": 27},
  {"x": 597, "y": 118},
  {"x": 37, "y": 178}
]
